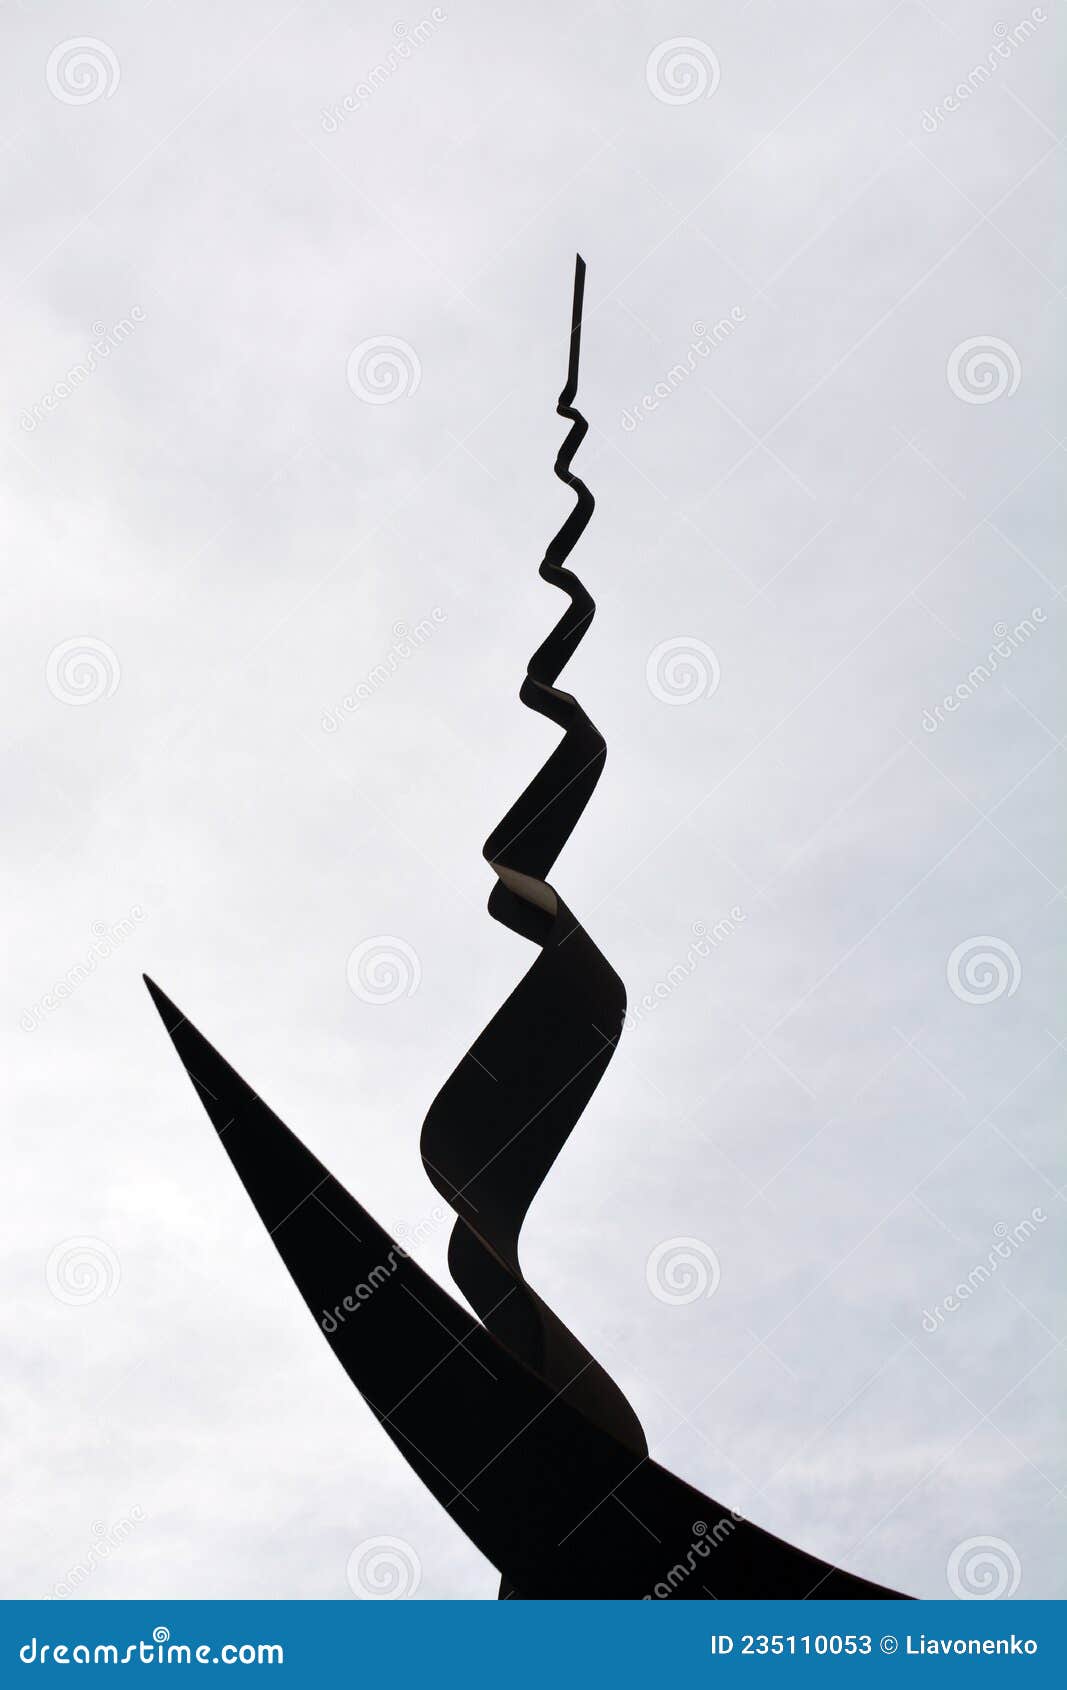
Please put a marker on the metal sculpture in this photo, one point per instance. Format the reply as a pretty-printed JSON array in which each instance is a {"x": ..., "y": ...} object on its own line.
[{"x": 518, "y": 1431}]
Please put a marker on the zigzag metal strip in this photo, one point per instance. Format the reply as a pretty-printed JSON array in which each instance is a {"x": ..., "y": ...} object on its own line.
[{"x": 500, "y": 1121}]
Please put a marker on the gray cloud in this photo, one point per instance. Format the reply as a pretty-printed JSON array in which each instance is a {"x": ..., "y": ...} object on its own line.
[{"x": 813, "y": 500}]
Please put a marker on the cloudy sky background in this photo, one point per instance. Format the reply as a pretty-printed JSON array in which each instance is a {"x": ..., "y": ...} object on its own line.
[{"x": 831, "y": 503}]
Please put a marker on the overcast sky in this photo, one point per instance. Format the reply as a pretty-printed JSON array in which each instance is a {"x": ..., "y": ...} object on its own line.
[{"x": 815, "y": 523}]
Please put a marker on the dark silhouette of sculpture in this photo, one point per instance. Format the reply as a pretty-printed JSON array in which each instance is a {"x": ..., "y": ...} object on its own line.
[{"x": 516, "y": 1429}]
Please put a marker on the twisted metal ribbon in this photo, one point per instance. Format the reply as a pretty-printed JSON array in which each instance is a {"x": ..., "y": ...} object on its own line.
[{"x": 500, "y": 1121}]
